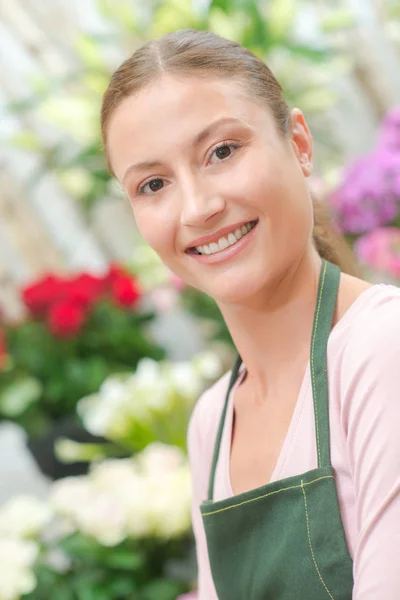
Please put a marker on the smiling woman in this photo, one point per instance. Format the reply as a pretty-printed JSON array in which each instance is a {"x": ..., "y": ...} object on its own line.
[{"x": 295, "y": 455}]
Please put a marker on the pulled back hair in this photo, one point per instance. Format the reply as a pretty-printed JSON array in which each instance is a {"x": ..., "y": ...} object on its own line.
[{"x": 188, "y": 53}]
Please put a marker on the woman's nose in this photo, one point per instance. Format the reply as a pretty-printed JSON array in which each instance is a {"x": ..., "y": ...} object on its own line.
[{"x": 200, "y": 205}]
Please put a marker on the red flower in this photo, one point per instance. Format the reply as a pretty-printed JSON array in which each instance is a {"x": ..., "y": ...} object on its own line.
[
  {"x": 123, "y": 286},
  {"x": 66, "y": 319},
  {"x": 85, "y": 289},
  {"x": 38, "y": 297},
  {"x": 125, "y": 291}
]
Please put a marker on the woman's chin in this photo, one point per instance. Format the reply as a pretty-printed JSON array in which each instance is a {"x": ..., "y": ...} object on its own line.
[{"x": 235, "y": 292}]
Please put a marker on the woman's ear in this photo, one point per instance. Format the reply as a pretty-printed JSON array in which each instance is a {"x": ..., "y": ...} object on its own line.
[{"x": 302, "y": 141}]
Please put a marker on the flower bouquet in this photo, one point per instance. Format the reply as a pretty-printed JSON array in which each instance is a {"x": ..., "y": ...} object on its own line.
[
  {"x": 78, "y": 331},
  {"x": 122, "y": 531}
]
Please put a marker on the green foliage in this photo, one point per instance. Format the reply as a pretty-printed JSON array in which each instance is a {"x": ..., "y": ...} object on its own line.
[
  {"x": 49, "y": 375},
  {"x": 132, "y": 570}
]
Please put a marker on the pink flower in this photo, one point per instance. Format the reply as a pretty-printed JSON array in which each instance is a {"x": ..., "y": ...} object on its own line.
[{"x": 380, "y": 250}]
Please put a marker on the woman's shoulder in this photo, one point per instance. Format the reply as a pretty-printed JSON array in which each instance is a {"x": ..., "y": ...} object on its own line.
[{"x": 369, "y": 332}]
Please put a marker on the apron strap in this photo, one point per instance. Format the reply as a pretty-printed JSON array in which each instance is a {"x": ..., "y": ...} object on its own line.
[
  {"x": 235, "y": 371},
  {"x": 323, "y": 317},
  {"x": 324, "y": 311}
]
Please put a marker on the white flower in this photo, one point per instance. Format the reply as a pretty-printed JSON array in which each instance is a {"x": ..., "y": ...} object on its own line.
[
  {"x": 185, "y": 379},
  {"x": 171, "y": 504},
  {"x": 158, "y": 459},
  {"x": 95, "y": 414},
  {"x": 148, "y": 372},
  {"x": 70, "y": 493},
  {"x": 208, "y": 365},
  {"x": 16, "y": 559},
  {"x": 94, "y": 511},
  {"x": 23, "y": 516},
  {"x": 136, "y": 496},
  {"x": 151, "y": 390},
  {"x": 104, "y": 518}
]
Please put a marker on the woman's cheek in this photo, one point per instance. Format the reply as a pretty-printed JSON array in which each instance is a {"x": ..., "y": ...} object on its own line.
[{"x": 154, "y": 229}]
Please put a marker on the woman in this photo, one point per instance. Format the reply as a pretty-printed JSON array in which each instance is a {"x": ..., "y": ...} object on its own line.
[{"x": 295, "y": 455}]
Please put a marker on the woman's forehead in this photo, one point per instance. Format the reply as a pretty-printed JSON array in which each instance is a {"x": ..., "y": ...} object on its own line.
[{"x": 174, "y": 111}]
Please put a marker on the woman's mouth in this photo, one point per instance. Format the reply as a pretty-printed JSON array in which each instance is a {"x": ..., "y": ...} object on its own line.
[
  {"x": 225, "y": 247},
  {"x": 225, "y": 241}
]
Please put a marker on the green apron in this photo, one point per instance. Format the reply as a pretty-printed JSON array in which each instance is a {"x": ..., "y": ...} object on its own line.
[{"x": 285, "y": 540}]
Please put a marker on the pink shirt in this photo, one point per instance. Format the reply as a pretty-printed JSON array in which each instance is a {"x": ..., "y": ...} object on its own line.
[{"x": 364, "y": 412}]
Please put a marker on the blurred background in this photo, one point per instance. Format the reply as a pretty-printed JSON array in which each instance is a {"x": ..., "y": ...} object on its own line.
[{"x": 103, "y": 352}]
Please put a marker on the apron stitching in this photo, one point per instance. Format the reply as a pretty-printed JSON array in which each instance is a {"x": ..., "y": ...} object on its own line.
[
  {"x": 312, "y": 360},
  {"x": 291, "y": 487},
  {"x": 309, "y": 541}
]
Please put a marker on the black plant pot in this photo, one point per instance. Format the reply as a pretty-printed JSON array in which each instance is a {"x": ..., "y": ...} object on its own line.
[{"x": 42, "y": 448}]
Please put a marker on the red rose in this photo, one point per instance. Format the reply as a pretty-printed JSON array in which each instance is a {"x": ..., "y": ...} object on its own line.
[
  {"x": 114, "y": 273},
  {"x": 66, "y": 319},
  {"x": 123, "y": 286},
  {"x": 125, "y": 291},
  {"x": 85, "y": 289},
  {"x": 39, "y": 296}
]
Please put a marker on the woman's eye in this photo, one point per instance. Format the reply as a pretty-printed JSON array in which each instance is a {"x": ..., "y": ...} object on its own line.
[
  {"x": 154, "y": 185},
  {"x": 222, "y": 152}
]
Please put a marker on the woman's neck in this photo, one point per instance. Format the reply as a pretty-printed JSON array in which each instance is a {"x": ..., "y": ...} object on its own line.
[{"x": 272, "y": 335}]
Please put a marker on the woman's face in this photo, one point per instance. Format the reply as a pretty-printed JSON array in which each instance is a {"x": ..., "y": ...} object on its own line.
[{"x": 216, "y": 191}]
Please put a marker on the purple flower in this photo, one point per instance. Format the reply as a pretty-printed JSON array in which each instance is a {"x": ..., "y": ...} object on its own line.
[
  {"x": 380, "y": 250},
  {"x": 389, "y": 131},
  {"x": 369, "y": 195}
]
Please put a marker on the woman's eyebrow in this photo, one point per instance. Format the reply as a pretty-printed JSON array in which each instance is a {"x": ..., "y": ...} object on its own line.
[
  {"x": 147, "y": 164},
  {"x": 205, "y": 133}
]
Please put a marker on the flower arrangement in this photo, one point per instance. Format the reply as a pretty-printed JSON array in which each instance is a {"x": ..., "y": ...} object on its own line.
[
  {"x": 122, "y": 531},
  {"x": 367, "y": 203},
  {"x": 152, "y": 404},
  {"x": 78, "y": 330}
]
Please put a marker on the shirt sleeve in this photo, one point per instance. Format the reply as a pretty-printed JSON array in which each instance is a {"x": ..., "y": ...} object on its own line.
[
  {"x": 371, "y": 420},
  {"x": 200, "y": 464}
]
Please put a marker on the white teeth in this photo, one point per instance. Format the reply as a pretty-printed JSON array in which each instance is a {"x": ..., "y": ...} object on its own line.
[
  {"x": 232, "y": 239},
  {"x": 214, "y": 247},
  {"x": 224, "y": 242},
  {"x": 238, "y": 234}
]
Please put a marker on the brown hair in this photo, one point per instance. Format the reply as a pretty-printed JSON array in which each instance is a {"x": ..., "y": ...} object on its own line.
[{"x": 188, "y": 52}]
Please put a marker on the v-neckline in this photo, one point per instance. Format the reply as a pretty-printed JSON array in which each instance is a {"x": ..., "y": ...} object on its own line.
[
  {"x": 285, "y": 448},
  {"x": 224, "y": 459},
  {"x": 305, "y": 388}
]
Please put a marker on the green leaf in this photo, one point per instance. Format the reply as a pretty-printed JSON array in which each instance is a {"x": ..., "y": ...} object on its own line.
[
  {"x": 26, "y": 140},
  {"x": 121, "y": 13},
  {"x": 339, "y": 19},
  {"x": 280, "y": 17},
  {"x": 125, "y": 560},
  {"x": 89, "y": 50},
  {"x": 122, "y": 587},
  {"x": 19, "y": 395},
  {"x": 162, "y": 589},
  {"x": 311, "y": 53}
]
